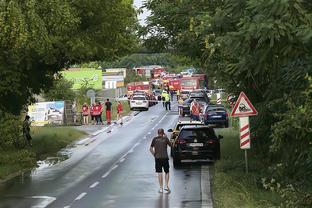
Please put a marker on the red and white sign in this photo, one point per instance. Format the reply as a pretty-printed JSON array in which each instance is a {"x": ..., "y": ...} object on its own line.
[
  {"x": 243, "y": 107},
  {"x": 219, "y": 99},
  {"x": 244, "y": 133}
]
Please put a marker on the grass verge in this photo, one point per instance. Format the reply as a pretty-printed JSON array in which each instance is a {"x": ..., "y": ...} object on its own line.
[
  {"x": 232, "y": 187},
  {"x": 47, "y": 141}
]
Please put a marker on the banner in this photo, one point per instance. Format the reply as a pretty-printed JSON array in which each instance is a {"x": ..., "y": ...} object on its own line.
[
  {"x": 46, "y": 113},
  {"x": 80, "y": 77}
]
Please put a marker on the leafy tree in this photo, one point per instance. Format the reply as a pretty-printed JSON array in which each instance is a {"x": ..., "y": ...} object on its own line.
[
  {"x": 39, "y": 38},
  {"x": 61, "y": 90}
]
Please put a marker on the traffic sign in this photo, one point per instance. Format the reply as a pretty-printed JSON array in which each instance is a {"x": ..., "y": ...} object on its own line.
[
  {"x": 91, "y": 93},
  {"x": 243, "y": 107}
]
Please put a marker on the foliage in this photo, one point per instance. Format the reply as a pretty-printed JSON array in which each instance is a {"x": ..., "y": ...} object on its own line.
[
  {"x": 39, "y": 38},
  {"x": 262, "y": 48},
  {"x": 10, "y": 131},
  {"x": 60, "y": 90},
  {"x": 133, "y": 77}
]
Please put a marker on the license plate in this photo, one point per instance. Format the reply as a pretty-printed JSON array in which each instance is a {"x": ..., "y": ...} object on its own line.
[
  {"x": 138, "y": 103},
  {"x": 196, "y": 144},
  {"x": 216, "y": 116},
  {"x": 194, "y": 153}
]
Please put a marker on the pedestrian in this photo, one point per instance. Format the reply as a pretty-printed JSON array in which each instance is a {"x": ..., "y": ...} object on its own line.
[
  {"x": 163, "y": 97},
  {"x": 26, "y": 131},
  {"x": 74, "y": 111},
  {"x": 195, "y": 111},
  {"x": 178, "y": 94},
  {"x": 158, "y": 149},
  {"x": 101, "y": 111},
  {"x": 167, "y": 102},
  {"x": 180, "y": 106},
  {"x": 96, "y": 113},
  {"x": 171, "y": 94},
  {"x": 85, "y": 114},
  {"x": 92, "y": 113},
  {"x": 119, "y": 112},
  {"x": 108, "y": 106}
]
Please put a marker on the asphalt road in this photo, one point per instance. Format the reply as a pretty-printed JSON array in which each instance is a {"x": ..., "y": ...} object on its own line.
[{"x": 114, "y": 170}]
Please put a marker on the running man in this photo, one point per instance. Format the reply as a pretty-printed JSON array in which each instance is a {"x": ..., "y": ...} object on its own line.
[{"x": 158, "y": 149}]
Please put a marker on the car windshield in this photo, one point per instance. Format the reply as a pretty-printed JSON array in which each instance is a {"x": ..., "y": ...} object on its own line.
[
  {"x": 200, "y": 133},
  {"x": 139, "y": 98}
]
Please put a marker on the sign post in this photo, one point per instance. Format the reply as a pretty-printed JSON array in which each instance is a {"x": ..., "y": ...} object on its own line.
[
  {"x": 243, "y": 109},
  {"x": 91, "y": 95}
]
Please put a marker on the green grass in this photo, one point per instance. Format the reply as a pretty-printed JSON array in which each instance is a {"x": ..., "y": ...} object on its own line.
[
  {"x": 232, "y": 187},
  {"x": 47, "y": 141}
]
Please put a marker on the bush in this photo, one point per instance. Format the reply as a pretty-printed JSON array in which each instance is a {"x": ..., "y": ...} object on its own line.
[{"x": 10, "y": 131}]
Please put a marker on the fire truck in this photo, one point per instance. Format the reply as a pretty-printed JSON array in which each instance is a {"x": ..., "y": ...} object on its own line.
[{"x": 194, "y": 82}]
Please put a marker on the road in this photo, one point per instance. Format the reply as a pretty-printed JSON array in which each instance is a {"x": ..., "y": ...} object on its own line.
[{"x": 114, "y": 170}]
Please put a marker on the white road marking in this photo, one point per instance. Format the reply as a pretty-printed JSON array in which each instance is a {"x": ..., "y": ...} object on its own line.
[
  {"x": 45, "y": 201},
  {"x": 94, "y": 185},
  {"x": 149, "y": 133},
  {"x": 205, "y": 188},
  {"x": 67, "y": 207},
  {"x": 106, "y": 174},
  {"x": 122, "y": 159},
  {"x": 80, "y": 196}
]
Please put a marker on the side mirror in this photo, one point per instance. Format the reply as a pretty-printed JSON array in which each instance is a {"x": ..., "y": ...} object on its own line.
[
  {"x": 170, "y": 130},
  {"x": 220, "y": 137}
]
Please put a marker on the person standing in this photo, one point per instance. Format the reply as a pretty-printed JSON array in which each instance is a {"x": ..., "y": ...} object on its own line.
[
  {"x": 85, "y": 114},
  {"x": 180, "y": 100},
  {"x": 97, "y": 113},
  {"x": 119, "y": 112},
  {"x": 92, "y": 113},
  {"x": 167, "y": 101},
  {"x": 26, "y": 131},
  {"x": 108, "y": 106},
  {"x": 158, "y": 149},
  {"x": 101, "y": 111},
  {"x": 195, "y": 111},
  {"x": 178, "y": 94}
]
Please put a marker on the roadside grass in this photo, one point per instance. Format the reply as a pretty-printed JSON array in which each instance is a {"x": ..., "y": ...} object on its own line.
[
  {"x": 47, "y": 141},
  {"x": 232, "y": 187}
]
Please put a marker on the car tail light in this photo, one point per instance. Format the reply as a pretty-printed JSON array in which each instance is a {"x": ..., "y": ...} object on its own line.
[
  {"x": 211, "y": 141},
  {"x": 180, "y": 141}
]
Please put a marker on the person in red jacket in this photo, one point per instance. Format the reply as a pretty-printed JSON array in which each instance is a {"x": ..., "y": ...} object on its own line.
[
  {"x": 92, "y": 113},
  {"x": 101, "y": 110},
  {"x": 85, "y": 114},
  {"x": 195, "y": 110},
  {"x": 96, "y": 113},
  {"x": 119, "y": 112}
]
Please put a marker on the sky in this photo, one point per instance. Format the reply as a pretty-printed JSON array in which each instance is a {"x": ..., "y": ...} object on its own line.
[{"x": 142, "y": 17}]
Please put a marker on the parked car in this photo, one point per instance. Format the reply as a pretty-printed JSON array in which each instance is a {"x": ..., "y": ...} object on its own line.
[
  {"x": 139, "y": 102},
  {"x": 185, "y": 95},
  {"x": 216, "y": 114},
  {"x": 122, "y": 97},
  {"x": 196, "y": 142},
  {"x": 199, "y": 94},
  {"x": 175, "y": 131}
]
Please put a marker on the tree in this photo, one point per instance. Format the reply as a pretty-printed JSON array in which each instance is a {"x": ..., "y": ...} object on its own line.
[
  {"x": 39, "y": 38},
  {"x": 60, "y": 90}
]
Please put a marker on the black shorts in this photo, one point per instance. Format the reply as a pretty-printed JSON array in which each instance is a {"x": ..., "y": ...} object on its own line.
[{"x": 162, "y": 163}]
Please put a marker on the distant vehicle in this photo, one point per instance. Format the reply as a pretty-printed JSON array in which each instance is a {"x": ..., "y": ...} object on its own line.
[
  {"x": 175, "y": 84},
  {"x": 138, "y": 86},
  {"x": 196, "y": 142},
  {"x": 175, "y": 131},
  {"x": 185, "y": 94},
  {"x": 199, "y": 94},
  {"x": 122, "y": 97},
  {"x": 196, "y": 81},
  {"x": 139, "y": 102},
  {"x": 216, "y": 114}
]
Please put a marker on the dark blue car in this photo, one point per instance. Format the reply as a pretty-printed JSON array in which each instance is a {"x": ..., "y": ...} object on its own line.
[{"x": 216, "y": 114}]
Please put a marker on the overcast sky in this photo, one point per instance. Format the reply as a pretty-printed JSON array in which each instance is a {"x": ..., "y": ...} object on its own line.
[{"x": 142, "y": 17}]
